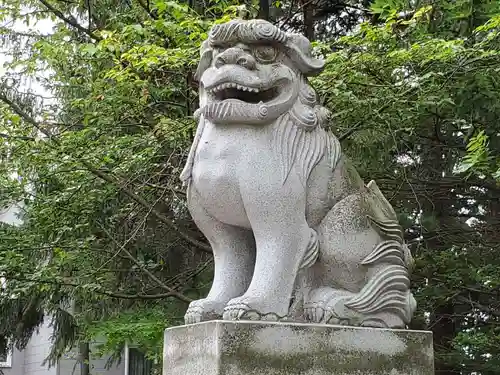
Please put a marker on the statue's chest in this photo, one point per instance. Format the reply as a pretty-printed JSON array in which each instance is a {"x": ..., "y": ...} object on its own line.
[
  {"x": 225, "y": 151},
  {"x": 222, "y": 161},
  {"x": 217, "y": 157},
  {"x": 215, "y": 169},
  {"x": 217, "y": 150}
]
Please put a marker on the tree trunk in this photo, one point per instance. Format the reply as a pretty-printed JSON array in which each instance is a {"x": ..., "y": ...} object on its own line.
[
  {"x": 264, "y": 10},
  {"x": 443, "y": 320},
  {"x": 443, "y": 328},
  {"x": 83, "y": 347},
  {"x": 84, "y": 358},
  {"x": 308, "y": 9}
]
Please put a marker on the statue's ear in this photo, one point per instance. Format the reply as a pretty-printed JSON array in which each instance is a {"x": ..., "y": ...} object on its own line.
[
  {"x": 298, "y": 48},
  {"x": 205, "y": 60}
]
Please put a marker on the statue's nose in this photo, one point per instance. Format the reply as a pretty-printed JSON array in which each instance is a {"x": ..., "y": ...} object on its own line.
[{"x": 235, "y": 56}]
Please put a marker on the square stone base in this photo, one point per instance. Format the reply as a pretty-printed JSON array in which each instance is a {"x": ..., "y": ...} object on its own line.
[{"x": 267, "y": 348}]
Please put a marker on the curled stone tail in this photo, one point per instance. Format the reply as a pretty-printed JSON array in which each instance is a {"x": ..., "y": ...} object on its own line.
[
  {"x": 389, "y": 229},
  {"x": 386, "y": 292},
  {"x": 386, "y": 251}
]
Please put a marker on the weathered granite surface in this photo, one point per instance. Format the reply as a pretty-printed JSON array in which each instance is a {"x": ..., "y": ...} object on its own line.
[
  {"x": 295, "y": 232},
  {"x": 269, "y": 348}
]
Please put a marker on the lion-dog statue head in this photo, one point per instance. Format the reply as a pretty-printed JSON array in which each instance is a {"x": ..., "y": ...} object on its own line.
[{"x": 251, "y": 72}]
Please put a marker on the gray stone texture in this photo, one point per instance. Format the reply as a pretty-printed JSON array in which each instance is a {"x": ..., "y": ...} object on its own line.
[
  {"x": 270, "y": 348},
  {"x": 295, "y": 232}
]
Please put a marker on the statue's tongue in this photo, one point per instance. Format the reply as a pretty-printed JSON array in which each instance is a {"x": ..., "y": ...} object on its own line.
[{"x": 235, "y": 111}]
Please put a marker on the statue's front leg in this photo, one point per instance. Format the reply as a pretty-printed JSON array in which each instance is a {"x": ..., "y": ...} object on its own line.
[
  {"x": 282, "y": 235},
  {"x": 234, "y": 257}
]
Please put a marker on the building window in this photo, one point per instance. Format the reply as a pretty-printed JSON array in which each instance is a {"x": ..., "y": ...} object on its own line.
[
  {"x": 137, "y": 363},
  {"x": 5, "y": 353}
]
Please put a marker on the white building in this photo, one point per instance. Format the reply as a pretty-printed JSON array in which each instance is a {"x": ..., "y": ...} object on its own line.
[{"x": 29, "y": 361}]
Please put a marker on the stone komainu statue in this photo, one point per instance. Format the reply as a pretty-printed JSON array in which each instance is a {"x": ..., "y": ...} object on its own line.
[{"x": 296, "y": 235}]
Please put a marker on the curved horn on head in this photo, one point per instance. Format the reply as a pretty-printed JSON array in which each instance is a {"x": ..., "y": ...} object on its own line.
[{"x": 299, "y": 49}]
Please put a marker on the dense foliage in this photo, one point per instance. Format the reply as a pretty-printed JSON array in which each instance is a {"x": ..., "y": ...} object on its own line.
[
  {"x": 420, "y": 106},
  {"x": 92, "y": 150}
]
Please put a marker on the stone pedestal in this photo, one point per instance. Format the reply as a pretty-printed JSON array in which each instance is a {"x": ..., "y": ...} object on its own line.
[{"x": 266, "y": 348}]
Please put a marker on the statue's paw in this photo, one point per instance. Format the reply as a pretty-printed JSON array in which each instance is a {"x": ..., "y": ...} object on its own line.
[
  {"x": 332, "y": 319},
  {"x": 242, "y": 309},
  {"x": 319, "y": 313},
  {"x": 194, "y": 314},
  {"x": 338, "y": 314},
  {"x": 377, "y": 323},
  {"x": 314, "y": 312},
  {"x": 327, "y": 306},
  {"x": 203, "y": 310}
]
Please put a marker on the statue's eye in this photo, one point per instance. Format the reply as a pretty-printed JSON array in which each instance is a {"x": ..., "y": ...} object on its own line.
[{"x": 265, "y": 54}]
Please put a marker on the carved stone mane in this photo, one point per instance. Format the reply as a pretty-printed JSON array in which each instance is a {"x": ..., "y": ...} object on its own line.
[{"x": 296, "y": 234}]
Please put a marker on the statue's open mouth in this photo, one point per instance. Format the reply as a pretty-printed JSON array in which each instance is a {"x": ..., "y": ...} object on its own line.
[
  {"x": 243, "y": 93},
  {"x": 232, "y": 94}
]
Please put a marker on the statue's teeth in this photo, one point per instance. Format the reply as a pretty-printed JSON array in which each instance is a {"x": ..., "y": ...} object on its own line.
[{"x": 224, "y": 86}]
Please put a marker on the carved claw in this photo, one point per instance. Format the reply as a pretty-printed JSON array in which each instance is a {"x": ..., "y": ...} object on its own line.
[
  {"x": 242, "y": 311},
  {"x": 201, "y": 310},
  {"x": 331, "y": 311},
  {"x": 314, "y": 312},
  {"x": 193, "y": 315},
  {"x": 319, "y": 313}
]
